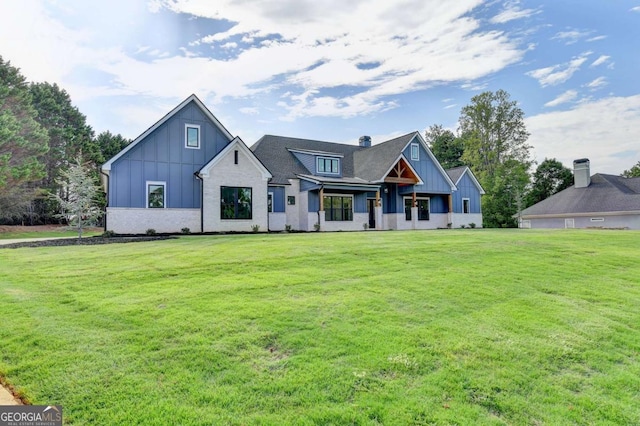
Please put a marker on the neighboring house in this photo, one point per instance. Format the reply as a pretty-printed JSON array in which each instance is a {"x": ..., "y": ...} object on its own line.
[
  {"x": 598, "y": 201},
  {"x": 397, "y": 184},
  {"x": 188, "y": 171}
]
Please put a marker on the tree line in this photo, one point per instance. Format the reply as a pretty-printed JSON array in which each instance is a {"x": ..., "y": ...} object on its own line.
[{"x": 42, "y": 137}]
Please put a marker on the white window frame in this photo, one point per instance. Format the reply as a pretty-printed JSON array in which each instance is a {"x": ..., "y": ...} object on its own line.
[
  {"x": 186, "y": 135},
  {"x": 415, "y": 157},
  {"x": 326, "y": 172},
  {"x": 156, "y": 182},
  {"x": 468, "y": 200},
  {"x": 404, "y": 201},
  {"x": 569, "y": 223}
]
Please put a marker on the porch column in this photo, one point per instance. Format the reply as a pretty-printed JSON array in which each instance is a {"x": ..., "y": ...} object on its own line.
[
  {"x": 321, "y": 199},
  {"x": 321, "y": 211},
  {"x": 378, "y": 204},
  {"x": 414, "y": 202},
  {"x": 450, "y": 214}
]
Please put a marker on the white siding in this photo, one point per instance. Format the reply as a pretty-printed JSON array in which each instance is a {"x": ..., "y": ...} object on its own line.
[{"x": 123, "y": 220}]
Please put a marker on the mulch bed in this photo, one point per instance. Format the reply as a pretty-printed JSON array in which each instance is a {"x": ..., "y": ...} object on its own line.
[{"x": 87, "y": 241}]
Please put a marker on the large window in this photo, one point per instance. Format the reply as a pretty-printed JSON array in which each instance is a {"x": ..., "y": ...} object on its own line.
[
  {"x": 466, "y": 206},
  {"x": 328, "y": 165},
  {"x": 156, "y": 195},
  {"x": 235, "y": 203},
  {"x": 192, "y": 136},
  {"x": 423, "y": 208},
  {"x": 338, "y": 208}
]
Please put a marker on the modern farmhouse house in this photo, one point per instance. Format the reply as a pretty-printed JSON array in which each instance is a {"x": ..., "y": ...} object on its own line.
[
  {"x": 188, "y": 171},
  {"x": 598, "y": 201}
]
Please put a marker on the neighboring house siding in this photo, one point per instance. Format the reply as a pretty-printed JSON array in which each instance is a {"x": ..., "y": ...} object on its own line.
[
  {"x": 162, "y": 156},
  {"x": 432, "y": 178},
  {"x": 466, "y": 189}
]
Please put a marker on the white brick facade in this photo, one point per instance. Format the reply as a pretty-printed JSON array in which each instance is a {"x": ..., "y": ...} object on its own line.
[{"x": 123, "y": 220}]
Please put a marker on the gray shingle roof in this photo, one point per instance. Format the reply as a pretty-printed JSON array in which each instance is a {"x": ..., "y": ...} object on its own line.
[
  {"x": 606, "y": 193},
  {"x": 273, "y": 152},
  {"x": 372, "y": 163},
  {"x": 456, "y": 173}
]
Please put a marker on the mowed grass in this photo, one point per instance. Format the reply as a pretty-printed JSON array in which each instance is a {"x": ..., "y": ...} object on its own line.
[
  {"x": 51, "y": 233},
  {"x": 483, "y": 327}
]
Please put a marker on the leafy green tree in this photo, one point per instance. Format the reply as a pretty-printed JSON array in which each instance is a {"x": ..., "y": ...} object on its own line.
[
  {"x": 110, "y": 144},
  {"x": 495, "y": 147},
  {"x": 80, "y": 203},
  {"x": 68, "y": 133},
  {"x": 22, "y": 142},
  {"x": 549, "y": 178},
  {"x": 447, "y": 148},
  {"x": 632, "y": 172}
]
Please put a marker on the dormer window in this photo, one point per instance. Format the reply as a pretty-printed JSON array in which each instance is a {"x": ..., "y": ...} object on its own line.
[
  {"x": 192, "y": 136},
  {"x": 328, "y": 165}
]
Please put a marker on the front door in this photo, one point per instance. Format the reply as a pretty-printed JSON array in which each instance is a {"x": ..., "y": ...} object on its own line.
[{"x": 371, "y": 208}]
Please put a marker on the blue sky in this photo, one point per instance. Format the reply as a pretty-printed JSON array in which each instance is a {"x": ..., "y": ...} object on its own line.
[{"x": 336, "y": 70}]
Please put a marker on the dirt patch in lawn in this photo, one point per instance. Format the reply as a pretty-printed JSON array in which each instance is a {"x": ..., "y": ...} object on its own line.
[
  {"x": 87, "y": 241},
  {"x": 40, "y": 228}
]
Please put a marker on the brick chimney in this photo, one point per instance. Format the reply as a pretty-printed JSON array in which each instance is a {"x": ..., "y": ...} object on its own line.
[
  {"x": 365, "y": 141},
  {"x": 581, "y": 173}
]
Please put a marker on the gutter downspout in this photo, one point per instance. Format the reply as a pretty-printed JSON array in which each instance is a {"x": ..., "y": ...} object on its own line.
[
  {"x": 107, "y": 198},
  {"x": 197, "y": 175}
]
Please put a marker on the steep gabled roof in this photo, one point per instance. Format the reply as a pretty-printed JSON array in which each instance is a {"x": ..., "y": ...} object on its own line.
[
  {"x": 106, "y": 167},
  {"x": 456, "y": 173},
  {"x": 236, "y": 143},
  {"x": 373, "y": 163},
  {"x": 605, "y": 193}
]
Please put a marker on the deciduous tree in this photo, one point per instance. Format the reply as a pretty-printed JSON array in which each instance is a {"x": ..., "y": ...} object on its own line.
[
  {"x": 444, "y": 144},
  {"x": 632, "y": 172},
  {"x": 549, "y": 178},
  {"x": 495, "y": 147},
  {"x": 80, "y": 203}
]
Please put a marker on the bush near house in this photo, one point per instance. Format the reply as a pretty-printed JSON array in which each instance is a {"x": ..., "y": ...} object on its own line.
[{"x": 428, "y": 327}]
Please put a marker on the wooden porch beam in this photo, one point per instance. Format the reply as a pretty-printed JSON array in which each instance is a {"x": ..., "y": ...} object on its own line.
[{"x": 321, "y": 199}]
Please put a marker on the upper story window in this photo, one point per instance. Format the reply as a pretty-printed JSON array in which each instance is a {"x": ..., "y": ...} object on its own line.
[
  {"x": 328, "y": 165},
  {"x": 415, "y": 151},
  {"x": 192, "y": 136}
]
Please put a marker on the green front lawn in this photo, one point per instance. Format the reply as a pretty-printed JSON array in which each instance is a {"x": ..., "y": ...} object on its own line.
[{"x": 426, "y": 327}]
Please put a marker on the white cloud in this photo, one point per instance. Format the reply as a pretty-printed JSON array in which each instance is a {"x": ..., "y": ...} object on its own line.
[
  {"x": 249, "y": 110},
  {"x": 599, "y": 130},
  {"x": 512, "y": 12},
  {"x": 597, "y": 38},
  {"x": 571, "y": 36},
  {"x": 556, "y": 74},
  {"x": 597, "y": 83},
  {"x": 567, "y": 96},
  {"x": 421, "y": 44},
  {"x": 635, "y": 9},
  {"x": 601, "y": 60}
]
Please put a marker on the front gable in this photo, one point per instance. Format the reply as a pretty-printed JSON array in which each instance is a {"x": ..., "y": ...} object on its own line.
[
  {"x": 468, "y": 188},
  {"x": 170, "y": 152},
  {"x": 434, "y": 179}
]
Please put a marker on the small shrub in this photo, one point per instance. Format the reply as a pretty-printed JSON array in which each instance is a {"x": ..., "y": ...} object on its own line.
[
  {"x": 255, "y": 228},
  {"x": 151, "y": 231},
  {"x": 108, "y": 234},
  {"x": 472, "y": 225},
  {"x": 316, "y": 226},
  {"x": 287, "y": 228},
  {"x": 365, "y": 226},
  {"x": 186, "y": 231},
  {"x": 463, "y": 226},
  {"x": 449, "y": 225}
]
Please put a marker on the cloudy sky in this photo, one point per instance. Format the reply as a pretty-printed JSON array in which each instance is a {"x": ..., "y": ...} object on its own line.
[{"x": 335, "y": 70}]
